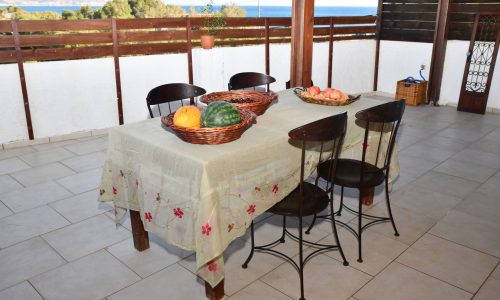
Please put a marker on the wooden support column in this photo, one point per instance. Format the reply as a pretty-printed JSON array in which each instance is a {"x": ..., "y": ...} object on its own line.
[
  {"x": 330, "y": 53},
  {"x": 302, "y": 42},
  {"x": 189, "y": 50},
  {"x": 116, "y": 56},
  {"x": 377, "y": 44},
  {"x": 438, "y": 51},
  {"x": 268, "y": 67},
  {"x": 24, "y": 89}
]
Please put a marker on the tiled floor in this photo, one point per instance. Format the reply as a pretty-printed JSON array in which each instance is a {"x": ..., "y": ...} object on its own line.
[{"x": 57, "y": 242}]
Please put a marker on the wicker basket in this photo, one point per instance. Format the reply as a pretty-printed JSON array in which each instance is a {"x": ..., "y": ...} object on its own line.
[
  {"x": 261, "y": 100},
  {"x": 413, "y": 93},
  {"x": 316, "y": 100},
  {"x": 211, "y": 136}
]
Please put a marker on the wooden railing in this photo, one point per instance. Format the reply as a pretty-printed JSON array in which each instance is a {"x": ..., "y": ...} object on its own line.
[
  {"x": 22, "y": 41},
  {"x": 78, "y": 39}
]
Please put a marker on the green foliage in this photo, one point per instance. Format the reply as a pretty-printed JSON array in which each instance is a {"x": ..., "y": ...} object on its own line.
[
  {"x": 85, "y": 12},
  {"x": 147, "y": 8},
  {"x": 68, "y": 15},
  {"x": 21, "y": 14},
  {"x": 214, "y": 21},
  {"x": 233, "y": 11},
  {"x": 173, "y": 11},
  {"x": 117, "y": 9}
]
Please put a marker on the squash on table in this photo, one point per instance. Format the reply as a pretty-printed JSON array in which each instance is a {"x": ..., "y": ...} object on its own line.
[{"x": 188, "y": 116}]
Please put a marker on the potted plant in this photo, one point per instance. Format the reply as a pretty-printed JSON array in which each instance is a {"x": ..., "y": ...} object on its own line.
[{"x": 214, "y": 22}]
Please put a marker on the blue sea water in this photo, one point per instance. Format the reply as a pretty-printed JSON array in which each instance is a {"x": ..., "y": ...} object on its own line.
[{"x": 252, "y": 11}]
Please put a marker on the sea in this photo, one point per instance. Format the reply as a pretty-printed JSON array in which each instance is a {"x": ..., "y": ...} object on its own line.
[{"x": 252, "y": 11}]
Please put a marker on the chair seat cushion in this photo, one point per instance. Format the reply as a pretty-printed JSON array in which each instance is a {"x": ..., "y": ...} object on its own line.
[
  {"x": 315, "y": 201},
  {"x": 348, "y": 173}
]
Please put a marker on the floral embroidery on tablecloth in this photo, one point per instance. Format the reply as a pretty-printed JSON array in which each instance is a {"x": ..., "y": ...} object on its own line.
[
  {"x": 212, "y": 266},
  {"x": 251, "y": 209},
  {"x": 148, "y": 216},
  {"x": 178, "y": 212},
  {"x": 205, "y": 229}
]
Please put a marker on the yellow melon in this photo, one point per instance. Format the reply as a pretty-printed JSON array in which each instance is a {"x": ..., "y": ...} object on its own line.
[{"x": 188, "y": 116}]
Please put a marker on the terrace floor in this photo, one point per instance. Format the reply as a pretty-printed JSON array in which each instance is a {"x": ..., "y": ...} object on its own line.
[{"x": 57, "y": 242}]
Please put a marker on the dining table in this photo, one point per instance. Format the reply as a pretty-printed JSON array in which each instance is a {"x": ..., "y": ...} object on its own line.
[{"x": 203, "y": 197}]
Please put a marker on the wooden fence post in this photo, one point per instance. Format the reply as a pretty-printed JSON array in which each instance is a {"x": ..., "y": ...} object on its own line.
[
  {"x": 116, "y": 56},
  {"x": 20, "y": 65},
  {"x": 189, "y": 47},
  {"x": 330, "y": 53}
]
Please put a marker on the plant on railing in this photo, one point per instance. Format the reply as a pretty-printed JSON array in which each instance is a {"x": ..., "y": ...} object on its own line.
[{"x": 214, "y": 22}]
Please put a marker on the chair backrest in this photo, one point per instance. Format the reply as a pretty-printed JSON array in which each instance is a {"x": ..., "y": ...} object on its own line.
[
  {"x": 381, "y": 124},
  {"x": 288, "y": 84},
  {"x": 327, "y": 135},
  {"x": 172, "y": 92},
  {"x": 248, "y": 80}
]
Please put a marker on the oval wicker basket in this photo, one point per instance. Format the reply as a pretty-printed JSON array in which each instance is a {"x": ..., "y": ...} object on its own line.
[
  {"x": 262, "y": 100},
  {"x": 214, "y": 135},
  {"x": 321, "y": 101}
]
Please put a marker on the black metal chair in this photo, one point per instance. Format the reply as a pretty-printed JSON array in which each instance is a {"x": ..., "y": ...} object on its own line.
[
  {"x": 171, "y": 92},
  {"x": 288, "y": 84},
  {"x": 324, "y": 136},
  {"x": 380, "y": 122},
  {"x": 249, "y": 80}
]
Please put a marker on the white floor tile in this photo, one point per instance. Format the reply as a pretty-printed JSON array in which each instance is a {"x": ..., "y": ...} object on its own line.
[
  {"x": 86, "y": 162},
  {"x": 259, "y": 290},
  {"x": 88, "y": 236},
  {"x": 45, "y": 157},
  {"x": 7, "y": 184},
  {"x": 11, "y": 165},
  {"x": 482, "y": 206},
  {"x": 34, "y": 196},
  {"x": 89, "y": 146},
  {"x": 25, "y": 225},
  {"x": 41, "y": 174},
  {"x": 82, "y": 182},
  {"x": 457, "y": 265},
  {"x": 90, "y": 278},
  {"x": 22, "y": 291},
  {"x": 4, "y": 211},
  {"x": 466, "y": 170},
  {"x": 400, "y": 282},
  {"x": 447, "y": 184},
  {"x": 80, "y": 207},
  {"x": 4, "y": 154},
  {"x": 25, "y": 260},
  {"x": 173, "y": 283},
  {"x": 490, "y": 290}
]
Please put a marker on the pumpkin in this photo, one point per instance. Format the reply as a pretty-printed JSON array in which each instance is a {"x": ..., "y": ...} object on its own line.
[
  {"x": 188, "y": 116},
  {"x": 220, "y": 114}
]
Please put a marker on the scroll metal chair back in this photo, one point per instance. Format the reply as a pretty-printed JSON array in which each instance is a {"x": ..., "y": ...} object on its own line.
[
  {"x": 381, "y": 124},
  {"x": 249, "y": 80},
  {"x": 171, "y": 92},
  {"x": 326, "y": 137}
]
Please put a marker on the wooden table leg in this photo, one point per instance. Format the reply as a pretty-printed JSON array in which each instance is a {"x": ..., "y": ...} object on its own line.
[
  {"x": 214, "y": 293},
  {"x": 367, "y": 195},
  {"x": 141, "y": 237}
]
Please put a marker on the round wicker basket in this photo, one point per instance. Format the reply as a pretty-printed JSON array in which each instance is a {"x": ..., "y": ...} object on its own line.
[
  {"x": 260, "y": 100},
  {"x": 211, "y": 136},
  {"x": 322, "y": 101}
]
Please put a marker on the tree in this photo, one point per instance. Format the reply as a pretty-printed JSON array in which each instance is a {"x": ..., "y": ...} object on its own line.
[
  {"x": 117, "y": 9},
  {"x": 147, "y": 8},
  {"x": 174, "y": 11},
  {"x": 233, "y": 11},
  {"x": 85, "y": 12},
  {"x": 68, "y": 15}
]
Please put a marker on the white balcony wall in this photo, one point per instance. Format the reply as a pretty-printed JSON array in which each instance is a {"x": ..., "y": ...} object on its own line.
[
  {"x": 12, "y": 118},
  {"x": 80, "y": 95},
  {"x": 399, "y": 60},
  {"x": 453, "y": 73},
  {"x": 71, "y": 96}
]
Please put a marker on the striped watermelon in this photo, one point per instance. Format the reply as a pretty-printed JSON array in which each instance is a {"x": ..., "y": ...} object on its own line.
[{"x": 220, "y": 114}]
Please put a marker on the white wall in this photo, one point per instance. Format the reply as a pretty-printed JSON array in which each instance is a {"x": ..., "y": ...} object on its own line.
[
  {"x": 453, "y": 72},
  {"x": 80, "y": 95},
  {"x": 399, "y": 60},
  {"x": 12, "y": 118}
]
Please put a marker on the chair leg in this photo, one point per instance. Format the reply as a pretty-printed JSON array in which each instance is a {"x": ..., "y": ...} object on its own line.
[
  {"x": 282, "y": 239},
  {"x": 245, "y": 264},
  {"x": 335, "y": 234},
  {"x": 396, "y": 233},
  {"x": 312, "y": 224},
  {"x": 360, "y": 219},
  {"x": 301, "y": 260},
  {"x": 341, "y": 201}
]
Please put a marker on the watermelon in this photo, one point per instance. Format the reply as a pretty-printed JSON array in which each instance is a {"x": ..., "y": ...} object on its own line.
[{"x": 220, "y": 114}]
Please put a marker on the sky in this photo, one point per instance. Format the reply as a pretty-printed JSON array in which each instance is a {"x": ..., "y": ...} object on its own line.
[{"x": 277, "y": 2}]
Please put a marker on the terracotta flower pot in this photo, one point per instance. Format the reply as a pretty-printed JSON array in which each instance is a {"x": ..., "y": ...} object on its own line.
[{"x": 207, "y": 41}]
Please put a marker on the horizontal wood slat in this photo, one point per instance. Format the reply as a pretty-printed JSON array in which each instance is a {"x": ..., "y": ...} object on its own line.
[{"x": 60, "y": 40}]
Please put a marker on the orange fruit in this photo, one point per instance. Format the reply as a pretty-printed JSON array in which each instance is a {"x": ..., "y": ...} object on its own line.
[{"x": 188, "y": 116}]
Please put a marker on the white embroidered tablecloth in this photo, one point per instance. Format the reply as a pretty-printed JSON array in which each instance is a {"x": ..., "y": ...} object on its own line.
[{"x": 202, "y": 197}]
